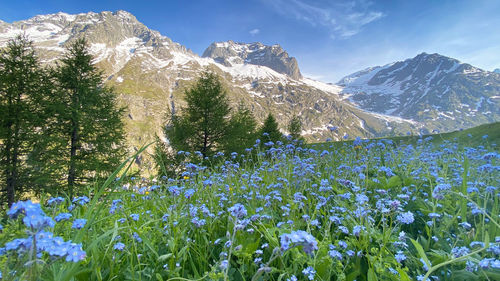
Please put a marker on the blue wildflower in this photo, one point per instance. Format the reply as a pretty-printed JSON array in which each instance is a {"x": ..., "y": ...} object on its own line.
[
  {"x": 400, "y": 257},
  {"x": 356, "y": 230},
  {"x": 38, "y": 221},
  {"x": 137, "y": 237},
  {"x": 224, "y": 264},
  {"x": 79, "y": 223},
  {"x": 119, "y": 246},
  {"x": 309, "y": 272},
  {"x": 63, "y": 217},
  {"x": 238, "y": 210},
  {"x": 55, "y": 201},
  {"x": 299, "y": 238},
  {"x": 189, "y": 193},
  {"x": 440, "y": 190},
  {"x": 406, "y": 218},
  {"x": 459, "y": 251},
  {"x": 425, "y": 267},
  {"x": 82, "y": 200},
  {"x": 75, "y": 253},
  {"x": 334, "y": 254}
]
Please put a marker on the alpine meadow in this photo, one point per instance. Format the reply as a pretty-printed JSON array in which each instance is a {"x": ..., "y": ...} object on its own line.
[{"x": 127, "y": 156}]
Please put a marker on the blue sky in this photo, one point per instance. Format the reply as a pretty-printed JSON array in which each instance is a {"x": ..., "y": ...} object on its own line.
[{"x": 330, "y": 39}]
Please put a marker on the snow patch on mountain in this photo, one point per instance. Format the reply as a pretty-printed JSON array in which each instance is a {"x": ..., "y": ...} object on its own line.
[{"x": 329, "y": 88}]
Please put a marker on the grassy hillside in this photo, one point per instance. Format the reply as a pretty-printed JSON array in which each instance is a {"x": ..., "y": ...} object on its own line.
[
  {"x": 367, "y": 212},
  {"x": 470, "y": 137}
]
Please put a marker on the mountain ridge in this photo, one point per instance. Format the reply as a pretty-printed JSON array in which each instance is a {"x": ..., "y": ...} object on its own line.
[
  {"x": 427, "y": 87},
  {"x": 150, "y": 73},
  {"x": 229, "y": 53}
]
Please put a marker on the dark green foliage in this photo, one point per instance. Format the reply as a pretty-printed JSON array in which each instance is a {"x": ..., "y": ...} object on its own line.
[
  {"x": 269, "y": 130},
  {"x": 167, "y": 162},
  {"x": 88, "y": 119},
  {"x": 178, "y": 131},
  {"x": 22, "y": 88},
  {"x": 204, "y": 128},
  {"x": 55, "y": 126},
  {"x": 295, "y": 128},
  {"x": 204, "y": 122},
  {"x": 241, "y": 131}
]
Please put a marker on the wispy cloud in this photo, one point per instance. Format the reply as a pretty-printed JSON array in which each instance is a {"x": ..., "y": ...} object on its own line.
[
  {"x": 342, "y": 18},
  {"x": 254, "y": 31}
]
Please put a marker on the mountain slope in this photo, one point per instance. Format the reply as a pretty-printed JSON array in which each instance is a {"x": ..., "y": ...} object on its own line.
[
  {"x": 432, "y": 89},
  {"x": 230, "y": 53},
  {"x": 150, "y": 73}
]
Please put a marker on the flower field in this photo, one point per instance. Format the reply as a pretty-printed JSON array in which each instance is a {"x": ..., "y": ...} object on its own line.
[{"x": 367, "y": 210}]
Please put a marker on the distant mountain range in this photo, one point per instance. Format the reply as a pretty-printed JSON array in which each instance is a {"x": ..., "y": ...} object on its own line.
[
  {"x": 429, "y": 89},
  {"x": 150, "y": 73}
]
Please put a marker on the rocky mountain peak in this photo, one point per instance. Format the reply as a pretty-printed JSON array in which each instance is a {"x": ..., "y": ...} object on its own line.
[
  {"x": 427, "y": 87},
  {"x": 150, "y": 73},
  {"x": 231, "y": 53},
  {"x": 113, "y": 36}
]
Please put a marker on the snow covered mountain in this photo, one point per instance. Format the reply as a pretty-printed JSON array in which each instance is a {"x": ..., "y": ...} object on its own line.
[
  {"x": 432, "y": 89},
  {"x": 497, "y": 70},
  {"x": 230, "y": 53},
  {"x": 150, "y": 73}
]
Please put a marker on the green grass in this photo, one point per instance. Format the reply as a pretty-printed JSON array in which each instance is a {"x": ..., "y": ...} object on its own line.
[
  {"x": 465, "y": 138},
  {"x": 368, "y": 212}
]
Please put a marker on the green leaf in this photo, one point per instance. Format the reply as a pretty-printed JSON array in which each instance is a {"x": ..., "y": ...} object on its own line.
[
  {"x": 371, "y": 275},
  {"x": 165, "y": 257},
  {"x": 493, "y": 274},
  {"x": 353, "y": 275},
  {"x": 403, "y": 276},
  {"x": 421, "y": 252},
  {"x": 463, "y": 275},
  {"x": 394, "y": 181}
]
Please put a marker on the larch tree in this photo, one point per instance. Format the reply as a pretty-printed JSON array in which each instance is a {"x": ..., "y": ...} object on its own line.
[
  {"x": 295, "y": 128},
  {"x": 204, "y": 121},
  {"x": 21, "y": 87},
  {"x": 270, "y": 131},
  {"x": 90, "y": 121},
  {"x": 241, "y": 131}
]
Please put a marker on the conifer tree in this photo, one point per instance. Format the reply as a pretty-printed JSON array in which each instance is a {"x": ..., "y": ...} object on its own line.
[
  {"x": 241, "y": 131},
  {"x": 269, "y": 130},
  {"x": 89, "y": 119},
  {"x": 295, "y": 128},
  {"x": 203, "y": 124},
  {"x": 21, "y": 89}
]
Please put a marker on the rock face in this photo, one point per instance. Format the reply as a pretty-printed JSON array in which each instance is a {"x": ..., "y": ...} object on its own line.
[
  {"x": 150, "y": 74},
  {"x": 429, "y": 88},
  {"x": 230, "y": 53}
]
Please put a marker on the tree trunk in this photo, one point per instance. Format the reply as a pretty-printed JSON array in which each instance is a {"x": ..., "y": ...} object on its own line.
[
  {"x": 10, "y": 190},
  {"x": 74, "y": 143},
  {"x": 72, "y": 162},
  {"x": 12, "y": 151},
  {"x": 14, "y": 180},
  {"x": 205, "y": 142}
]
